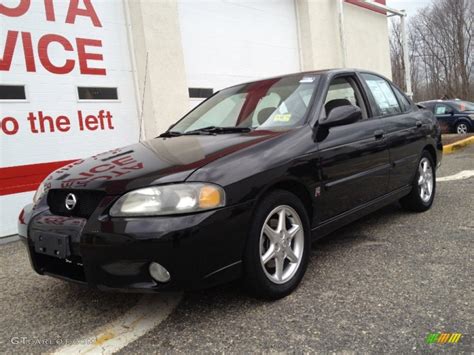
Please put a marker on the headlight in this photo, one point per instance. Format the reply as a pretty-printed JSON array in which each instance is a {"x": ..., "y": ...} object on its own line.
[
  {"x": 39, "y": 192},
  {"x": 169, "y": 199}
]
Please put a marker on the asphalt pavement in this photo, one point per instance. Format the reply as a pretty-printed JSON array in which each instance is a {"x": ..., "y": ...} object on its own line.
[{"x": 380, "y": 285}]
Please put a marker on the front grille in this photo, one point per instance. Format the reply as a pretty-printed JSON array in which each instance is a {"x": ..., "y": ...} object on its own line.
[{"x": 86, "y": 202}]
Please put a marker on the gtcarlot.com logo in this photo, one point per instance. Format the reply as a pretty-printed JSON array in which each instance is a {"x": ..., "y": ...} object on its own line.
[
  {"x": 22, "y": 340},
  {"x": 443, "y": 338}
]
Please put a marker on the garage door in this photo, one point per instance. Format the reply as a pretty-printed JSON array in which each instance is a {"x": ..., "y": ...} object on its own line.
[
  {"x": 66, "y": 91},
  {"x": 229, "y": 42}
]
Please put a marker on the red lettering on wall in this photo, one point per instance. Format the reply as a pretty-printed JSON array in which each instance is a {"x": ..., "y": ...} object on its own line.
[
  {"x": 17, "y": 11},
  {"x": 63, "y": 123},
  {"x": 8, "y": 51},
  {"x": 28, "y": 50},
  {"x": 9, "y": 126},
  {"x": 84, "y": 56},
  {"x": 43, "y": 54},
  {"x": 75, "y": 11},
  {"x": 49, "y": 9}
]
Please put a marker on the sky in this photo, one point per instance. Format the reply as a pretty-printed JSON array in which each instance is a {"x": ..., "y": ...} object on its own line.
[{"x": 410, "y": 6}]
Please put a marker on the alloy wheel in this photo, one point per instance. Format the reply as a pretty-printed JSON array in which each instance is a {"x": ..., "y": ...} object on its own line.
[
  {"x": 425, "y": 179},
  {"x": 281, "y": 244},
  {"x": 461, "y": 128}
]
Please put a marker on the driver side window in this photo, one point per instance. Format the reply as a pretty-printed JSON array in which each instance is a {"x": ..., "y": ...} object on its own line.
[{"x": 343, "y": 91}]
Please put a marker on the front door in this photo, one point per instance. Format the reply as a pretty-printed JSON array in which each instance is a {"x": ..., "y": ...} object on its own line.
[{"x": 354, "y": 158}]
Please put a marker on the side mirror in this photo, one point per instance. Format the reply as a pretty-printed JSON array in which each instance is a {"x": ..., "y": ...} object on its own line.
[{"x": 342, "y": 115}]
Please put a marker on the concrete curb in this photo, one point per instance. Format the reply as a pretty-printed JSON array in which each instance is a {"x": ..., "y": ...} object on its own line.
[
  {"x": 451, "y": 148},
  {"x": 9, "y": 239}
]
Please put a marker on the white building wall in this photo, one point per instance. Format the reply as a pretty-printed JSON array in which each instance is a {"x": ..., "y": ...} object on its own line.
[
  {"x": 365, "y": 33},
  {"x": 230, "y": 42},
  {"x": 367, "y": 45},
  {"x": 319, "y": 34},
  {"x": 161, "y": 78},
  {"x": 52, "y": 91}
]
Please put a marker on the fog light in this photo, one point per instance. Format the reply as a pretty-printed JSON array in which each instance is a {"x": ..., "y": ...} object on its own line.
[{"x": 158, "y": 272}]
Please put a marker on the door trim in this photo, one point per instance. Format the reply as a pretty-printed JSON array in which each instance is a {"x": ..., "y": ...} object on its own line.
[
  {"x": 328, "y": 185},
  {"x": 333, "y": 223}
]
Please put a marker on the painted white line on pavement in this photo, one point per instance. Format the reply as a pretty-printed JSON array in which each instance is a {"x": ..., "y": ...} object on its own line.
[
  {"x": 150, "y": 311},
  {"x": 465, "y": 174}
]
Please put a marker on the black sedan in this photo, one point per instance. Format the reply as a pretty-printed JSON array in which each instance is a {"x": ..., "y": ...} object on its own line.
[
  {"x": 453, "y": 115},
  {"x": 238, "y": 188}
]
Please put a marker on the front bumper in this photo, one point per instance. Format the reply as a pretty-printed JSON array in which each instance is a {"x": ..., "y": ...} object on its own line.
[{"x": 199, "y": 250}]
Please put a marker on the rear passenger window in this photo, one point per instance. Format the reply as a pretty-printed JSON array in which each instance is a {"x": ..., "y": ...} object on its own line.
[
  {"x": 404, "y": 102},
  {"x": 441, "y": 109},
  {"x": 383, "y": 94}
]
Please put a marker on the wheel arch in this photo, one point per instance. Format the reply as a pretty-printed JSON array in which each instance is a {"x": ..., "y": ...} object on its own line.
[
  {"x": 463, "y": 120},
  {"x": 430, "y": 149},
  {"x": 294, "y": 186}
]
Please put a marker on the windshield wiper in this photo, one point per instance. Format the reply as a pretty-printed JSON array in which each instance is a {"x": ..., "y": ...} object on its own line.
[
  {"x": 170, "y": 134},
  {"x": 218, "y": 130},
  {"x": 209, "y": 130}
]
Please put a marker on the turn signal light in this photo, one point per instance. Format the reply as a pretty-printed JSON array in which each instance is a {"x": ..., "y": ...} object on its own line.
[{"x": 210, "y": 197}]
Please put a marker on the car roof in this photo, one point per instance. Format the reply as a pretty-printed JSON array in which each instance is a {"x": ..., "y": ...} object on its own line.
[
  {"x": 451, "y": 101},
  {"x": 330, "y": 71},
  {"x": 327, "y": 72}
]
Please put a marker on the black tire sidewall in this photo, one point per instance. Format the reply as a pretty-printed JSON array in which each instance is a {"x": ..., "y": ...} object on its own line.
[{"x": 256, "y": 279}]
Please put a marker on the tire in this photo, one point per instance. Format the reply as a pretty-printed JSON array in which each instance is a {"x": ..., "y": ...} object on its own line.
[
  {"x": 288, "y": 249},
  {"x": 462, "y": 128},
  {"x": 423, "y": 191}
]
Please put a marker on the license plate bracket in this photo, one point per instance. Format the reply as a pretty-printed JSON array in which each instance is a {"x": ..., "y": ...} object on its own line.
[{"x": 52, "y": 244}]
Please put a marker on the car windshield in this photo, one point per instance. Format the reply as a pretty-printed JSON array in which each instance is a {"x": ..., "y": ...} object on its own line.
[
  {"x": 266, "y": 104},
  {"x": 463, "y": 106}
]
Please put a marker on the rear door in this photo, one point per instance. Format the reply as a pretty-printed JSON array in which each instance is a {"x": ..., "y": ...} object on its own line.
[
  {"x": 354, "y": 157},
  {"x": 403, "y": 125}
]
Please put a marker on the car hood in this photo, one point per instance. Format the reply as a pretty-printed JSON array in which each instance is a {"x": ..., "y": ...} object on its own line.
[{"x": 156, "y": 161}]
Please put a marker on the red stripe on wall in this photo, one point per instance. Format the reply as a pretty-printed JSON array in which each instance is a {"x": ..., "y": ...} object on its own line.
[
  {"x": 23, "y": 178},
  {"x": 367, "y": 6}
]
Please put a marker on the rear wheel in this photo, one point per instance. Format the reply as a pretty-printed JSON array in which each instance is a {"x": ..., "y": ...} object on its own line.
[
  {"x": 462, "y": 128},
  {"x": 423, "y": 191},
  {"x": 277, "y": 251}
]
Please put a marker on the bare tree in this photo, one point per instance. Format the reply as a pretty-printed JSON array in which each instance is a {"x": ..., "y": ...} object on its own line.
[
  {"x": 441, "y": 50},
  {"x": 396, "y": 54}
]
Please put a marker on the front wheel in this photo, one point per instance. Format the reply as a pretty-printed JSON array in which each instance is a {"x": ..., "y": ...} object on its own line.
[
  {"x": 277, "y": 250},
  {"x": 423, "y": 191}
]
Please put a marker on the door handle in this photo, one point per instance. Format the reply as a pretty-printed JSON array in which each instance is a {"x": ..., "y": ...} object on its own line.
[
  {"x": 378, "y": 134},
  {"x": 418, "y": 124}
]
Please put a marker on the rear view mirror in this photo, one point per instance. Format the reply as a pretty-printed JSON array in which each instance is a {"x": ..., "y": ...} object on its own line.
[{"x": 342, "y": 115}]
